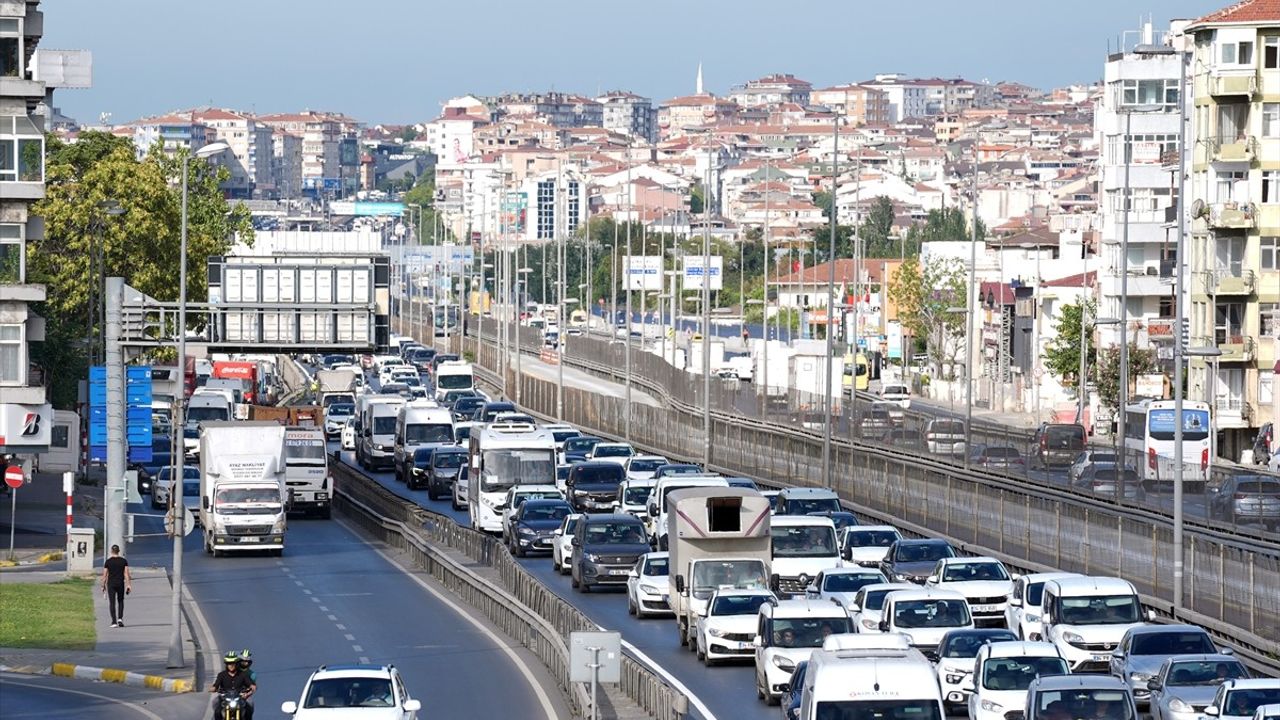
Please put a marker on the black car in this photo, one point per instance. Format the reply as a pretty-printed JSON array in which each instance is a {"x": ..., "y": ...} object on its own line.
[
  {"x": 577, "y": 448},
  {"x": 913, "y": 560},
  {"x": 593, "y": 486},
  {"x": 417, "y": 477},
  {"x": 791, "y": 696},
  {"x": 464, "y": 408},
  {"x": 486, "y": 412},
  {"x": 533, "y": 525},
  {"x": 605, "y": 548},
  {"x": 442, "y": 358},
  {"x": 451, "y": 397},
  {"x": 420, "y": 358},
  {"x": 841, "y": 518},
  {"x": 446, "y": 465}
]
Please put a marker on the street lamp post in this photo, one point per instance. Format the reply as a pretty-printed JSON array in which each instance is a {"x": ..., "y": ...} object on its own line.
[
  {"x": 971, "y": 300},
  {"x": 831, "y": 302}
]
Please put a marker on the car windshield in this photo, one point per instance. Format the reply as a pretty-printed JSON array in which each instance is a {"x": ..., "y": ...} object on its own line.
[
  {"x": 1016, "y": 673},
  {"x": 645, "y": 464},
  {"x": 539, "y": 511},
  {"x": 1095, "y": 704},
  {"x": 947, "y": 427},
  {"x": 807, "y": 632},
  {"x": 1034, "y": 594},
  {"x": 967, "y": 644},
  {"x": 232, "y": 496},
  {"x": 504, "y": 468},
  {"x": 815, "y": 541},
  {"x": 200, "y": 414},
  {"x": 420, "y": 434},
  {"x": 1258, "y": 487},
  {"x": 350, "y": 692},
  {"x": 877, "y": 709},
  {"x": 850, "y": 582},
  {"x": 932, "y": 613},
  {"x": 1247, "y": 701},
  {"x": 965, "y": 572},
  {"x": 1000, "y": 452},
  {"x": 1103, "y": 458},
  {"x": 1064, "y": 437},
  {"x": 1100, "y": 610},
  {"x": 410, "y": 380},
  {"x": 923, "y": 552},
  {"x": 738, "y": 604},
  {"x": 612, "y": 451},
  {"x": 804, "y": 506},
  {"x": 385, "y": 425},
  {"x": 341, "y": 410},
  {"x": 1172, "y": 643},
  {"x": 467, "y": 404},
  {"x": 636, "y": 495},
  {"x": 453, "y": 382},
  {"x": 303, "y": 451},
  {"x": 657, "y": 567},
  {"x": 871, "y": 538},
  {"x": 894, "y": 390},
  {"x": 1204, "y": 672},
  {"x": 601, "y": 474},
  {"x": 874, "y": 600},
  {"x": 579, "y": 444},
  {"x": 746, "y": 574},
  {"x": 615, "y": 534},
  {"x": 462, "y": 434},
  {"x": 448, "y": 460}
]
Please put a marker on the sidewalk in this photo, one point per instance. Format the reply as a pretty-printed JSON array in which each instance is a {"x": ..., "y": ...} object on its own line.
[{"x": 135, "y": 654}]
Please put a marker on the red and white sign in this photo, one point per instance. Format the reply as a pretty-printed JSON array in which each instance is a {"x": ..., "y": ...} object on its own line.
[{"x": 13, "y": 477}]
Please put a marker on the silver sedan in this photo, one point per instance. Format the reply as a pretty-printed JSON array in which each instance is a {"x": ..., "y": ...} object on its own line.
[{"x": 1185, "y": 684}]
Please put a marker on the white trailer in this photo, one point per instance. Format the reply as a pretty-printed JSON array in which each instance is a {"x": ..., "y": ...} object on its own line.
[{"x": 242, "y": 486}]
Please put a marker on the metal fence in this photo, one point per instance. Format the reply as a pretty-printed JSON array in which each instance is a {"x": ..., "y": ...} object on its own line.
[{"x": 520, "y": 605}]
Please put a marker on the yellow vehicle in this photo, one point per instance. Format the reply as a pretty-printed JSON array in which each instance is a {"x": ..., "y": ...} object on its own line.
[
  {"x": 578, "y": 318},
  {"x": 857, "y": 372}
]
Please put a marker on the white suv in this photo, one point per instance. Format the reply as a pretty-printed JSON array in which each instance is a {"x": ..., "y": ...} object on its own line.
[{"x": 374, "y": 691}]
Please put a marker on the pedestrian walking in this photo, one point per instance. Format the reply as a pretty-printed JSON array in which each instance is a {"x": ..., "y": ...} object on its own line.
[{"x": 116, "y": 583}]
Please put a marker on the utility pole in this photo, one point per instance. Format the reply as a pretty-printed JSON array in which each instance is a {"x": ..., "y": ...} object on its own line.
[
  {"x": 116, "y": 450},
  {"x": 626, "y": 286},
  {"x": 831, "y": 302}
]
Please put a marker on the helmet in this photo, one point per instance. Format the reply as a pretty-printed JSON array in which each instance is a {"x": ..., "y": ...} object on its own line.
[
  {"x": 230, "y": 657},
  {"x": 246, "y": 657}
]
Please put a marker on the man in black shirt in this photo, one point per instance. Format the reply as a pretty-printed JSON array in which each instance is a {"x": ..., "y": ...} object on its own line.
[
  {"x": 116, "y": 583},
  {"x": 232, "y": 679}
]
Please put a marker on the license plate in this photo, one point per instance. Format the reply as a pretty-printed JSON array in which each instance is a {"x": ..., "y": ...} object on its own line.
[
  {"x": 250, "y": 539},
  {"x": 618, "y": 572},
  {"x": 984, "y": 608},
  {"x": 1101, "y": 658}
]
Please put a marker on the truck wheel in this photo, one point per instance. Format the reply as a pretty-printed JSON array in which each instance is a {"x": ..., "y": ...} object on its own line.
[
  {"x": 684, "y": 636},
  {"x": 432, "y": 493}
]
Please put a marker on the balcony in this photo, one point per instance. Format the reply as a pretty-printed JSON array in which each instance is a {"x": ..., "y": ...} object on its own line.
[
  {"x": 1236, "y": 348},
  {"x": 1232, "y": 413},
  {"x": 1239, "y": 148},
  {"x": 1229, "y": 282},
  {"x": 1222, "y": 84},
  {"x": 1232, "y": 216}
]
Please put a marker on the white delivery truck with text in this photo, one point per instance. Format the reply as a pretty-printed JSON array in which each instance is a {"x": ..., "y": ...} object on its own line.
[
  {"x": 242, "y": 486},
  {"x": 307, "y": 481}
]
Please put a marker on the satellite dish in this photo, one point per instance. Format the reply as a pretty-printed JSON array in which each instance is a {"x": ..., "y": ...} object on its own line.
[{"x": 1198, "y": 209}]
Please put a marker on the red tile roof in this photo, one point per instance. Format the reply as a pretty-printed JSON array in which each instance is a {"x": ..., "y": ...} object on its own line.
[
  {"x": 1246, "y": 11},
  {"x": 1088, "y": 279}
]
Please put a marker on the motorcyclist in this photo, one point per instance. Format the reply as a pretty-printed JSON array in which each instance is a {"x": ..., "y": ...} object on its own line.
[
  {"x": 230, "y": 679},
  {"x": 246, "y": 667}
]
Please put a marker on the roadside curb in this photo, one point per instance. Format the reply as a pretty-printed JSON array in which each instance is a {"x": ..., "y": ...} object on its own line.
[
  {"x": 45, "y": 559},
  {"x": 111, "y": 675}
]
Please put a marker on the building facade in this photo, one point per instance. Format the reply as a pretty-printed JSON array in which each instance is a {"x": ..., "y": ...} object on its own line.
[
  {"x": 630, "y": 114},
  {"x": 771, "y": 90},
  {"x": 1235, "y": 225},
  {"x": 860, "y": 104}
]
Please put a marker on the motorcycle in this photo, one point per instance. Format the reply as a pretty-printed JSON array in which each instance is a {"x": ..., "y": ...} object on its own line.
[{"x": 232, "y": 706}]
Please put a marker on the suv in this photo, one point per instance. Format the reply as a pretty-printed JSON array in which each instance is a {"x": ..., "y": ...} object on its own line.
[
  {"x": 945, "y": 437},
  {"x": 446, "y": 466},
  {"x": 1247, "y": 498},
  {"x": 353, "y": 690},
  {"x": 803, "y": 501},
  {"x": 605, "y": 548},
  {"x": 1100, "y": 697},
  {"x": 592, "y": 486},
  {"x": 914, "y": 560},
  {"x": 1057, "y": 443}
]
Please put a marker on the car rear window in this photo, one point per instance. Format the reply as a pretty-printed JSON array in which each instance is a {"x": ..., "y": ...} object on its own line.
[
  {"x": 1064, "y": 436},
  {"x": 1260, "y": 487},
  {"x": 1000, "y": 452},
  {"x": 947, "y": 427}
]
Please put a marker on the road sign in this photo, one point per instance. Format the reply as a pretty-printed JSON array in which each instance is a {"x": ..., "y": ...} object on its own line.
[
  {"x": 595, "y": 651},
  {"x": 188, "y": 520},
  {"x": 13, "y": 477}
]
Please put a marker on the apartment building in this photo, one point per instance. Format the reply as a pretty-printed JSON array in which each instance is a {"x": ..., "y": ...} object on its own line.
[
  {"x": 558, "y": 109},
  {"x": 1136, "y": 129},
  {"x": 321, "y": 135},
  {"x": 700, "y": 110},
  {"x": 1235, "y": 227},
  {"x": 26, "y": 418},
  {"x": 286, "y": 163},
  {"x": 630, "y": 114},
  {"x": 250, "y": 149},
  {"x": 861, "y": 105},
  {"x": 769, "y": 90},
  {"x": 906, "y": 97}
]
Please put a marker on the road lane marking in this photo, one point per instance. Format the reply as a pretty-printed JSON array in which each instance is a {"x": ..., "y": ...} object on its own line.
[
  {"x": 332, "y": 618},
  {"x": 364, "y": 660},
  {"x": 357, "y": 648},
  {"x": 694, "y": 700},
  {"x": 322, "y": 608},
  {"x": 140, "y": 710},
  {"x": 349, "y": 637},
  {"x": 341, "y": 626}
]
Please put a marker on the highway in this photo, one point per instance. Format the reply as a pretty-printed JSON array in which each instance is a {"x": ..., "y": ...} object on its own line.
[{"x": 40, "y": 697}]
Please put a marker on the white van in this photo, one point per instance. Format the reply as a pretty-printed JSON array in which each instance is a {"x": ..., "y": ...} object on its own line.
[
  {"x": 869, "y": 683},
  {"x": 803, "y": 546},
  {"x": 376, "y": 430},
  {"x": 419, "y": 424},
  {"x": 1085, "y": 617},
  {"x": 453, "y": 375}
]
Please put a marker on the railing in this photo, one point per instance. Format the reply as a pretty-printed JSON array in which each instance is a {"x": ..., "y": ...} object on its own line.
[
  {"x": 519, "y": 605},
  {"x": 1232, "y": 83},
  {"x": 1229, "y": 282},
  {"x": 1232, "y": 215}
]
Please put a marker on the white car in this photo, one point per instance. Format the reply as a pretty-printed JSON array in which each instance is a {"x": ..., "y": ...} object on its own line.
[
  {"x": 1003, "y": 671},
  {"x": 353, "y": 692},
  {"x": 1240, "y": 699},
  {"x": 642, "y": 467},
  {"x": 841, "y": 585},
  {"x": 162, "y": 485},
  {"x": 648, "y": 585},
  {"x": 954, "y": 661},
  {"x": 866, "y": 545},
  {"x": 1267, "y": 712},
  {"x": 562, "y": 546},
  {"x": 616, "y": 452},
  {"x": 1085, "y": 459},
  {"x": 348, "y": 435},
  {"x": 896, "y": 393},
  {"x": 1024, "y": 612},
  {"x": 983, "y": 581},
  {"x": 385, "y": 362},
  {"x": 727, "y": 631},
  {"x": 868, "y": 604}
]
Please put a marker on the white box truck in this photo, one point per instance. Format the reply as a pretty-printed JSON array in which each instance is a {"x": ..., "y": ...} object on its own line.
[
  {"x": 306, "y": 471},
  {"x": 719, "y": 539},
  {"x": 242, "y": 486},
  {"x": 337, "y": 385}
]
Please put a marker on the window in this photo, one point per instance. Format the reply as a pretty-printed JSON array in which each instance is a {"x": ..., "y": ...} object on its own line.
[
  {"x": 1232, "y": 186},
  {"x": 1271, "y": 52},
  {"x": 11, "y": 355},
  {"x": 1271, "y": 120},
  {"x": 10, "y": 47},
  {"x": 21, "y": 150},
  {"x": 1233, "y": 122},
  {"x": 1229, "y": 323},
  {"x": 1271, "y": 186},
  {"x": 1265, "y": 379},
  {"x": 1236, "y": 53},
  {"x": 1166, "y": 307},
  {"x": 1270, "y": 321},
  {"x": 1149, "y": 92},
  {"x": 546, "y": 210},
  {"x": 1270, "y": 253},
  {"x": 1146, "y": 147},
  {"x": 12, "y": 268}
]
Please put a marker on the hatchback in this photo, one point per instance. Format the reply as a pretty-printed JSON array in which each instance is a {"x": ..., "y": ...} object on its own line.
[
  {"x": 1247, "y": 498},
  {"x": 997, "y": 456}
]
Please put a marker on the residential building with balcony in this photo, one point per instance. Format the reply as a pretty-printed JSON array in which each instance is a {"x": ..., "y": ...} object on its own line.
[
  {"x": 321, "y": 135},
  {"x": 1136, "y": 127},
  {"x": 26, "y": 418},
  {"x": 173, "y": 131},
  {"x": 775, "y": 89},
  {"x": 861, "y": 105},
  {"x": 250, "y": 149},
  {"x": 1235, "y": 215},
  {"x": 699, "y": 110},
  {"x": 629, "y": 114}
]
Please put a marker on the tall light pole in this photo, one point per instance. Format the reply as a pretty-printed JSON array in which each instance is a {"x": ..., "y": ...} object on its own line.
[
  {"x": 971, "y": 299},
  {"x": 1179, "y": 274},
  {"x": 706, "y": 296},
  {"x": 176, "y": 508},
  {"x": 626, "y": 287},
  {"x": 764, "y": 302},
  {"x": 831, "y": 304}
]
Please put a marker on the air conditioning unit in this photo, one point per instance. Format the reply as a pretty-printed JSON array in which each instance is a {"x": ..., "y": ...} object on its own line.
[{"x": 1152, "y": 270}]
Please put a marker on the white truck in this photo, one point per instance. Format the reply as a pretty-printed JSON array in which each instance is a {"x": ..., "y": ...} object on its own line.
[
  {"x": 718, "y": 538},
  {"x": 242, "y": 486},
  {"x": 337, "y": 385},
  {"x": 503, "y": 455},
  {"x": 453, "y": 375},
  {"x": 306, "y": 471},
  {"x": 376, "y": 430}
]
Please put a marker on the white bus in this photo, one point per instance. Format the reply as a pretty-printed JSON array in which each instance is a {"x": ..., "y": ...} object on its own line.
[
  {"x": 1149, "y": 429},
  {"x": 505, "y": 454}
]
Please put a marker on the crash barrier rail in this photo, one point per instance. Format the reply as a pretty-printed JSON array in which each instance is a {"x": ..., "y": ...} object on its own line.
[
  {"x": 1231, "y": 585},
  {"x": 521, "y": 606}
]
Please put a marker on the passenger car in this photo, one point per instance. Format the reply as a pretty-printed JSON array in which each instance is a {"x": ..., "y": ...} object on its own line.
[
  {"x": 803, "y": 501},
  {"x": 727, "y": 630},
  {"x": 1106, "y": 479},
  {"x": 354, "y": 691},
  {"x": 1184, "y": 685},
  {"x": 163, "y": 482},
  {"x": 1247, "y": 498},
  {"x": 867, "y": 545},
  {"x": 1144, "y": 648},
  {"x": 605, "y": 547},
  {"x": 956, "y": 657},
  {"x": 1002, "y": 673},
  {"x": 945, "y": 437},
  {"x": 996, "y": 456},
  {"x": 562, "y": 547},
  {"x": 1087, "y": 458},
  {"x": 867, "y": 605},
  {"x": 984, "y": 582},
  {"x": 648, "y": 585},
  {"x": 1099, "y": 697},
  {"x": 1240, "y": 699},
  {"x": 841, "y": 585},
  {"x": 446, "y": 466},
  {"x": 533, "y": 525},
  {"x": 914, "y": 560},
  {"x": 1023, "y": 615},
  {"x": 1057, "y": 443}
]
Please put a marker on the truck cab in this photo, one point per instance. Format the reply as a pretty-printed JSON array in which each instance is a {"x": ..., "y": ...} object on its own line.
[{"x": 306, "y": 463}]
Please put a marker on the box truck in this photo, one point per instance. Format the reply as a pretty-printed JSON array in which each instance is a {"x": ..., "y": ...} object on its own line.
[
  {"x": 306, "y": 471},
  {"x": 242, "y": 486}
]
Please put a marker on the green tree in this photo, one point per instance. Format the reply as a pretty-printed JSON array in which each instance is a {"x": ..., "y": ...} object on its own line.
[
  {"x": 1062, "y": 356},
  {"x": 925, "y": 294},
  {"x": 941, "y": 225},
  {"x": 141, "y": 244},
  {"x": 1142, "y": 361},
  {"x": 697, "y": 201}
]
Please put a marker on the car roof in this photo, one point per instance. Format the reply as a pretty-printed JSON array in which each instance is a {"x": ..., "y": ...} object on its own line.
[
  {"x": 1088, "y": 583},
  {"x": 809, "y": 492},
  {"x": 891, "y": 586},
  {"x": 969, "y": 560},
  {"x": 805, "y": 607},
  {"x": 1202, "y": 657},
  {"x": 742, "y": 592},
  {"x": 1158, "y": 629},
  {"x": 328, "y": 671},
  {"x": 877, "y": 528},
  {"x": 925, "y": 594},
  {"x": 802, "y": 521},
  {"x": 1022, "y": 648},
  {"x": 1252, "y": 683},
  {"x": 922, "y": 541},
  {"x": 545, "y": 502},
  {"x": 657, "y": 554},
  {"x": 1084, "y": 680},
  {"x": 613, "y": 518}
]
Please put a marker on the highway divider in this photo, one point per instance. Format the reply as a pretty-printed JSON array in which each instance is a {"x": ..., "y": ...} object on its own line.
[{"x": 521, "y": 606}]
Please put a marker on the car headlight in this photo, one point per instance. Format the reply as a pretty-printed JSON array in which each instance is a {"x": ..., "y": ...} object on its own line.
[
  {"x": 1031, "y": 618},
  {"x": 278, "y": 525},
  {"x": 591, "y": 557},
  {"x": 991, "y": 707},
  {"x": 651, "y": 589},
  {"x": 784, "y": 663},
  {"x": 717, "y": 632},
  {"x": 525, "y": 531},
  {"x": 1141, "y": 678},
  {"x": 1177, "y": 705},
  {"x": 901, "y": 577},
  {"x": 870, "y": 624},
  {"x": 954, "y": 679},
  {"x": 1072, "y": 637}
]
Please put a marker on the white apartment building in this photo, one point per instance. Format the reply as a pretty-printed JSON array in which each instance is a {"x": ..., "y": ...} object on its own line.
[
  {"x": 770, "y": 90},
  {"x": 286, "y": 164},
  {"x": 250, "y": 148},
  {"x": 907, "y": 98},
  {"x": 1136, "y": 125},
  {"x": 321, "y": 135},
  {"x": 173, "y": 132},
  {"x": 630, "y": 114}
]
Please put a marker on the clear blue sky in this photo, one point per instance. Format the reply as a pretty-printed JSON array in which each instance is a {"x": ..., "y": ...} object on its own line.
[{"x": 395, "y": 61}]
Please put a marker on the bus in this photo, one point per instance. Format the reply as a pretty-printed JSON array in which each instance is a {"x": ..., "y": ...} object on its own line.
[{"x": 1149, "y": 430}]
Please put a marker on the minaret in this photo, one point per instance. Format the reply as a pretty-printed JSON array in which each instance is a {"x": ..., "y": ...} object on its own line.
[{"x": 698, "y": 87}]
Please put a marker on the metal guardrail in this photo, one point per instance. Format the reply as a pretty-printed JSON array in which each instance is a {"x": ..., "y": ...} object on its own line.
[
  {"x": 1232, "y": 587},
  {"x": 521, "y": 606}
]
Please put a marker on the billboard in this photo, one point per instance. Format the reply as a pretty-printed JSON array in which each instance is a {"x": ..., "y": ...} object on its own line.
[
  {"x": 693, "y": 272},
  {"x": 361, "y": 208},
  {"x": 642, "y": 272}
]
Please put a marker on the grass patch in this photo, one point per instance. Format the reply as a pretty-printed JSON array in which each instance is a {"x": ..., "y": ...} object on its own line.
[{"x": 56, "y": 616}]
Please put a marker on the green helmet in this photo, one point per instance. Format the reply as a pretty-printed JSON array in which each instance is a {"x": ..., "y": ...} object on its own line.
[{"x": 230, "y": 658}]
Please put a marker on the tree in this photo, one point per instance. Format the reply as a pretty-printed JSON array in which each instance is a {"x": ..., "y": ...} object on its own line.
[
  {"x": 1062, "y": 356},
  {"x": 1142, "y": 361},
  {"x": 941, "y": 225},
  {"x": 875, "y": 231},
  {"x": 925, "y": 295},
  {"x": 696, "y": 200},
  {"x": 141, "y": 244}
]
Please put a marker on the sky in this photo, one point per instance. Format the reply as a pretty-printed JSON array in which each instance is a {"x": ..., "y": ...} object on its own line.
[{"x": 396, "y": 61}]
